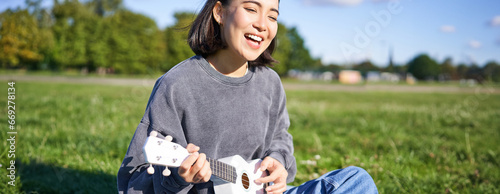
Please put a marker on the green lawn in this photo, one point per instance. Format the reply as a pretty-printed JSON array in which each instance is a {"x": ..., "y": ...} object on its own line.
[{"x": 72, "y": 137}]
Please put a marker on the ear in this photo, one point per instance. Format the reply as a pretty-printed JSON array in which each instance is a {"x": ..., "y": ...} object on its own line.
[{"x": 218, "y": 12}]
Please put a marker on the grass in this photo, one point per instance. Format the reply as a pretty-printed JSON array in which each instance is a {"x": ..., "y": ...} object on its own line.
[
  {"x": 72, "y": 137},
  {"x": 409, "y": 143}
]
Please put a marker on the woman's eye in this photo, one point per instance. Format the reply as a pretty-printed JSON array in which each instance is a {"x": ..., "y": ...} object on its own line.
[
  {"x": 251, "y": 10},
  {"x": 273, "y": 18}
]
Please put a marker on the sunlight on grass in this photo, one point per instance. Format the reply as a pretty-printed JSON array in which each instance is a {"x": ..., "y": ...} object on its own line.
[
  {"x": 72, "y": 137},
  {"x": 418, "y": 143}
]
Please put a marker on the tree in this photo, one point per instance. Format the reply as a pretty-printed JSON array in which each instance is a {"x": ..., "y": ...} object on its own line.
[
  {"x": 74, "y": 28},
  {"x": 462, "y": 70},
  {"x": 366, "y": 66},
  {"x": 100, "y": 33},
  {"x": 448, "y": 71},
  {"x": 300, "y": 57},
  {"x": 135, "y": 44},
  {"x": 21, "y": 41},
  {"x": 35, "y": 8},
  {"x": 282, "y": 50},
  {"x": 332, "y": 68},
  {"x": 105, "y": 8},
  {"x": 401, "y": 69},
  {"x": 423, "y": 67},
  {"x": 176, "y": 40},
  {"x": 474, "y": 72},
  {"x": 491, "y": 71},
  {"x": 45, "y": 21}
]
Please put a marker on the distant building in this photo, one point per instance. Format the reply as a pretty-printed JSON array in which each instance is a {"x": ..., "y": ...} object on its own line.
[
  {"x": 350, "y": 77},
  {"x": 389, "y": 77},
  {"x": 327, "y": 76},
  {"x": 373, "y": 76},
  {"x": 311, "y": 75},
  {"x": 410, "y": 79}
]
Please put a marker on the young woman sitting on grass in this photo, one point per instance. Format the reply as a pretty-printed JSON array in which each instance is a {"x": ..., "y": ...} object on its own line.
[{"x": 225, "y": 101}]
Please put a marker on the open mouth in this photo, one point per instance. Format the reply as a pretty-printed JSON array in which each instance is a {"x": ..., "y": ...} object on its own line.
[
  {"x": 253, "y": 37},
  {"x": 253, "y": 40}
]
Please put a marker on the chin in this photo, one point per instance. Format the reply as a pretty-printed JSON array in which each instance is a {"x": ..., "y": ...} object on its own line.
[{"x": 252, "y": 57}]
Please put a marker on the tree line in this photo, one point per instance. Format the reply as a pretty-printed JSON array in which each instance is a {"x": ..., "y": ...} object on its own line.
[
  {"x": 98, "y": 35},
  {"x": 103, "y": 36},
  {"x": 423, "y": 67}
]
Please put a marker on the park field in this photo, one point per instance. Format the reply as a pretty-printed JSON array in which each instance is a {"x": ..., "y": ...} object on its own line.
[{"x": 71, "y": 137}]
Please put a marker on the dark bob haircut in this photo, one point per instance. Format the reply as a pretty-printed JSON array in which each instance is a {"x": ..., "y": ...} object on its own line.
[{"x": 205, "y": 36}]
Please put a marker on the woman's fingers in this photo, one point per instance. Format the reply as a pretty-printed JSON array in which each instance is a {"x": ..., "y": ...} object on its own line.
[
  {"x": 191, "y": 148},
  {"x": 185, "y": 167},
  {"x": 195, "y": 169},
  {"x": 202, "y": 167}
]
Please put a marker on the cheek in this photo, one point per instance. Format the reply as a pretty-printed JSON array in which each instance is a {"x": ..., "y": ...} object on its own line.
[
  {"x": 273, "y": 31},
  {"x": 234, "y": 27},
  {"x": 240, "y": 17}
]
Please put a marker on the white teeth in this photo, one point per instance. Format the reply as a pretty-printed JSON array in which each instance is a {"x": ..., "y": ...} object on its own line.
[{"x": 256, "y": 38}]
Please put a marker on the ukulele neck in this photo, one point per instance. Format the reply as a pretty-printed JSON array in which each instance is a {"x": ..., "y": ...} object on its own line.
[{"x": 223, "y": 170}]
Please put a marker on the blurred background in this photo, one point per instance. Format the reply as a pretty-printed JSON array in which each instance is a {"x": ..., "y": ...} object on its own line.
[
  {"x": 406, "y": 89},
  {"x": 380, "y": 39}
]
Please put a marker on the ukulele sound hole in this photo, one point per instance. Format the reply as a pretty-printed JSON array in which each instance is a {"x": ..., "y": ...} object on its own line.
[{"x": 245, "y": 181}]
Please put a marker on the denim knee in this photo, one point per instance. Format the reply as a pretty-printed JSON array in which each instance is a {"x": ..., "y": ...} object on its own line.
[
  {"x": 360, "y": 181},
  {"x": 360, "y": 172},
  {"x": 348, "y": 180}
]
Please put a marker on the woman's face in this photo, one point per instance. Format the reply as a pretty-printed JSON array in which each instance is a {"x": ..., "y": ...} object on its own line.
[{"x": 249, "y": 26}]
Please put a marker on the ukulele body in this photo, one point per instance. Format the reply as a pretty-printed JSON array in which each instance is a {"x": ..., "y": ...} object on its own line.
[{"x": 246, "y": 174}]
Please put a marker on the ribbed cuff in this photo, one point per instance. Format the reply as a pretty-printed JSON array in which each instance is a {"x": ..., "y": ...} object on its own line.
[{"x": 278, "y": 156}]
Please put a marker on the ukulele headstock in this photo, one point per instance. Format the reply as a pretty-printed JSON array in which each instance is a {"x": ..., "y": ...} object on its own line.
[{"x": 163, "y": 152}]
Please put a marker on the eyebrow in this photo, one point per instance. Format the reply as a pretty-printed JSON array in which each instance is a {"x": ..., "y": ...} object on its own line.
[{"x": 260, "y": 5}]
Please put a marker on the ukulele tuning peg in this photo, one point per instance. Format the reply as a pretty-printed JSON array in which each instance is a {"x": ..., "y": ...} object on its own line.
[
  {"x": 151, "y": 170},
  {"x": 169, "y": 138},
  {"x": 166, "y": 172},
  {"x": 153, "y": 134}
]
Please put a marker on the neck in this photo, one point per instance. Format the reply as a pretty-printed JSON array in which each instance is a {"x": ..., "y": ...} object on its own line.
[{"x": 228, "y": 66}]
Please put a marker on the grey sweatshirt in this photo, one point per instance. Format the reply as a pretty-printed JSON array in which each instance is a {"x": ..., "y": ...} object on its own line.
[{"x": 224, "y": 116}]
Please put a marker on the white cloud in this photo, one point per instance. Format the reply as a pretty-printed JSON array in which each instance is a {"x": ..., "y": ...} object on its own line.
[
  {"x": 333, "y": 2},
  {"x": 495, "y": 21},
  {"x": 475, "y": 44},
  {"x": 448, "y": 29}
]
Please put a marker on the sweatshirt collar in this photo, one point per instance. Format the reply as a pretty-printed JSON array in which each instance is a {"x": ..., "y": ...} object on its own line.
[{"x": 221, "y": 77}]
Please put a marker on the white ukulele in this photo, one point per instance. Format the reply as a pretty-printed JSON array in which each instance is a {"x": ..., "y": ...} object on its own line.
[{"x": 232, "y": 174}]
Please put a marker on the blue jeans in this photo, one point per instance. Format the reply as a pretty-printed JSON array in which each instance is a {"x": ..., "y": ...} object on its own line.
[{"x": 348, "y": 180}]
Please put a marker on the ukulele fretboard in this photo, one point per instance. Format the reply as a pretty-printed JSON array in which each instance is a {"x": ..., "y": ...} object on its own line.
[{"x": 223, "y": 170}]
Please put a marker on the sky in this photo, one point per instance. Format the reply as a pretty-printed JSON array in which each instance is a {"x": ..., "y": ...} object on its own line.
[{"x": 351, "y": 31}]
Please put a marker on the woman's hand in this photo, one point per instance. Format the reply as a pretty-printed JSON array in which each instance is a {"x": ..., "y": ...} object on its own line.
[
  {"x": 195, "y": 169},
  {"x": 277, "y": 175}
]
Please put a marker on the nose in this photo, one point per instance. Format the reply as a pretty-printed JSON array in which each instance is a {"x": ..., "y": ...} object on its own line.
[{"x": 260, "y": 23}]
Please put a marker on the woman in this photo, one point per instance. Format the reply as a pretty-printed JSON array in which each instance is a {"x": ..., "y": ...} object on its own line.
[{"x": 223, "y": 102}]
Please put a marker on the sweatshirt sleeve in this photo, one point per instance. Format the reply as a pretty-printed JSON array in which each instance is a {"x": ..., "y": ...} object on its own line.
[
  {"x": 281, "y": 147},
  {"x": 162, "y": 117}
]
